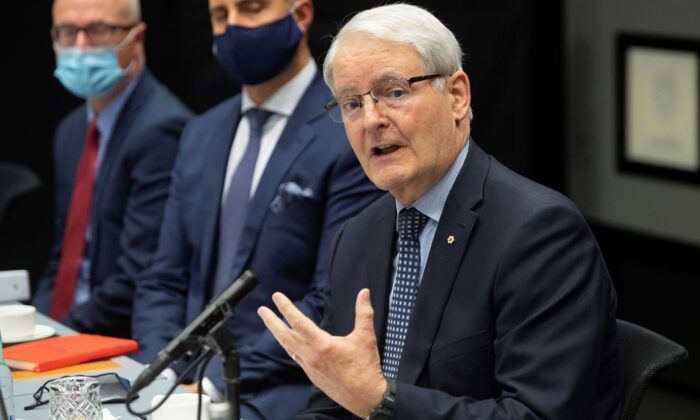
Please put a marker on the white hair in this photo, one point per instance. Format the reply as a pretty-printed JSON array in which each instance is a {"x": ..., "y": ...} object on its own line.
[
  {"x": 134, "y": 7},
  {"x": 403, "y": 23}
]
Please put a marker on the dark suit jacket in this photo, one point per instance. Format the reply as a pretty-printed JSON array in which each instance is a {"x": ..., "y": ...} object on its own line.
[
  {"x": 127, "y": 205},
  {"x": 285, "y": 239},
  {"x": 514, "y": 320}
]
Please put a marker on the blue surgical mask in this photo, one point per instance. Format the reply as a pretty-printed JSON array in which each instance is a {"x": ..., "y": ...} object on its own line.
[
  {"x": 89, "y": 72},
  {"x": 250, "y": 56}
]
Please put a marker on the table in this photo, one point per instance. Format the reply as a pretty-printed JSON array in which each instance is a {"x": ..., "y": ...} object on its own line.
[{"x": 130, "y": 369}]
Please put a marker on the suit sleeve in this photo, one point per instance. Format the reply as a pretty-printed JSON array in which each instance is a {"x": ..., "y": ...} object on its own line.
[
  {"x": 160, "y": 300},
  {"x": 151, "y": 159},
  {"x": 551, "y": 299},
  {"x": 348, "y": 192},
  {"x": 322, "y": 407}
]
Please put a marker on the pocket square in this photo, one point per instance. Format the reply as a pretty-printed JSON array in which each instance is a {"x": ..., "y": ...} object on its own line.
[{"x": 287, "y": 193}]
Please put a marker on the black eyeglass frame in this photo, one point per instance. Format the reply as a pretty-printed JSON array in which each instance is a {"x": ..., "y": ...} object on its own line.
[
  {"x": 330, "y": 106},
  {"x": 108, "y": 28}
]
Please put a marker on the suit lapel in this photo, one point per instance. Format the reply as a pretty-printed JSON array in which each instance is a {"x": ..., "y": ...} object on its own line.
[
  {"x": 120, "y": 133},
  {"x": 446, "y": 255},
  {"x": 213, "y": 177},
  {"x": 378, "y": 265},
  {"x": 296, "y": 136},
  {"x": 121, "y": 130}
]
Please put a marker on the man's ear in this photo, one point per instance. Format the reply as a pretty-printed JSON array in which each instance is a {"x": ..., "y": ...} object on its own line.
[
  {"x": 141, "y": 36},
  {"x": 303, "y": 13},
  {"x": 141, "y": 39},
  {"x": 457, "y": 86}
]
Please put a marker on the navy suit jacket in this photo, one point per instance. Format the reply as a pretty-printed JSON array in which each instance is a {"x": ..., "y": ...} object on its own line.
[
  {"x": 127, "y": 205},
  {"x": 515, "y": 318},
  {"x": 285, "y": 239}
]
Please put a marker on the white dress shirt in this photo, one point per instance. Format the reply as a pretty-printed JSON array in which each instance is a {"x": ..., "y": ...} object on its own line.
[{"x": 282, "y": 103}]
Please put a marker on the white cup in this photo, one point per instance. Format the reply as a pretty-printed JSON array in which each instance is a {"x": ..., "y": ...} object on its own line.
[
  {"x": 17, "y": 321},
  {"x": 180, "y": 407}
]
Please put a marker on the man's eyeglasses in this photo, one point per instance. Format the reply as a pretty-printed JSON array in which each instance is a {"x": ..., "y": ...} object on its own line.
[
  {"x": 99, "y": 33},
  {"x": 391, "y": 93}
]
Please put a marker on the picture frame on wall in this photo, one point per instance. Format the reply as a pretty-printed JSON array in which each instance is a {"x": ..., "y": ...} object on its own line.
[{"x": 658, "y": 112}]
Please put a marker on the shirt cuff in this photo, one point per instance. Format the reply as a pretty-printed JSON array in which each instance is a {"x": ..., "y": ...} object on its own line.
[
  {"x": 170, "y": 375},
  {"x": 210, "y": 389},
  {"x": 207, "y": 386}
]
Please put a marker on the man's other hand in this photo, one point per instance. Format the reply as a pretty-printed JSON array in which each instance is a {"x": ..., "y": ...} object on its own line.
[{"x": 347, "y": 369}]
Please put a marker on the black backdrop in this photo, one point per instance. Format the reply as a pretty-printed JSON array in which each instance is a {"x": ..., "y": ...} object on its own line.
[{"x": 513, "y": 58}]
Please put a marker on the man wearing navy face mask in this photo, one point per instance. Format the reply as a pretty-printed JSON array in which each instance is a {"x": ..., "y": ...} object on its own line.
[
  {"x": 262, "y": 182},
  {"x": 112, "y": 162}
]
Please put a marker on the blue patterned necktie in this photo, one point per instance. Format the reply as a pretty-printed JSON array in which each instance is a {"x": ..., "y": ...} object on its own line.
[
  {"x": 411, "y": 222},
  {"x": 235, "y": 207}
]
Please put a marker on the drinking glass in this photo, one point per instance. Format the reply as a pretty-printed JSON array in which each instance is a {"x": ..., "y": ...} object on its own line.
[{"x": 75, "y": 398}]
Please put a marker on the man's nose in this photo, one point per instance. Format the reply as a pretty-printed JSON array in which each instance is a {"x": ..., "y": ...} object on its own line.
[
  {"x": 233, "y": 18},
  {"x": 372, "y": 112},
  {"x": 81, "y": 39}
]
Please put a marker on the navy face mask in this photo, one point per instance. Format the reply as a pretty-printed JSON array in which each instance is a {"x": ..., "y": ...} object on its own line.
[{"x": 250, "y": 56}]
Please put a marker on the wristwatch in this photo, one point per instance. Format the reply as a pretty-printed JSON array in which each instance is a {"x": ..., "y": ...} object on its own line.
[{"x": 385, "y": 409}]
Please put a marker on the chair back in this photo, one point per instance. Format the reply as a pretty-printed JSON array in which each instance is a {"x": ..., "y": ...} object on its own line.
[
  {"x": 644, "y": 354},
  {"x": 15, "y": 180}
]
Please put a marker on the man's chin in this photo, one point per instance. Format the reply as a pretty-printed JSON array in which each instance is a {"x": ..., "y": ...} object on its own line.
[{"x": 393, "y": 184}]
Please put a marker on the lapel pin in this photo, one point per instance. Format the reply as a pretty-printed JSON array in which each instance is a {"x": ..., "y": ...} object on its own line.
[{"x": 451, "y": 239}]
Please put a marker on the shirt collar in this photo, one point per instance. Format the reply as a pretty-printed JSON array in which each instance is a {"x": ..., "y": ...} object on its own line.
[
  {"x": 432, "y": 202},
  {"x": 286, "y": 98},
  {"x": 108, "y": 117}
]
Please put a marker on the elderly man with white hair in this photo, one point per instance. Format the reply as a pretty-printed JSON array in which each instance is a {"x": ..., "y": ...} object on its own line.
[{"x": 468, "y": 291}]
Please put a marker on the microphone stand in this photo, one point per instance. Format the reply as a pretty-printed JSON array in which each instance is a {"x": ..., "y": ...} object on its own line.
[
  {"x": 221, "y": 341},
  {"x": 208, "y": 328}
]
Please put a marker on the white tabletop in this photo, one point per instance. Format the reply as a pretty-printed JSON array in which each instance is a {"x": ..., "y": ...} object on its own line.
[{"x": 130, "y": 369}]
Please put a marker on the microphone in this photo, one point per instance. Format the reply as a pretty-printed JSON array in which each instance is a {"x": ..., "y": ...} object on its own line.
[{"x": 216, "y": 312}]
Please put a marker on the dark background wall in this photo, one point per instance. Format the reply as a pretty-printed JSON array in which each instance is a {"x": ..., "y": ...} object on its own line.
[
  {"x": 647, "y": 226},
  {"x": 515, "y": 60},
  {"x": 513, "y": 57}
]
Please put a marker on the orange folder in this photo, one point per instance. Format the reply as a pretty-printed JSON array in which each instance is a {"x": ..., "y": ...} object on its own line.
[
  {"x": 108, "y": 364},
  {"x": 57, "y": 352}
]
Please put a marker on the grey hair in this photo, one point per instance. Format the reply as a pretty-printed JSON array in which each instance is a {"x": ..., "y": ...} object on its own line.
[
  {"x": 134, "y": 9},
  {"x": 402, "y": 23}
]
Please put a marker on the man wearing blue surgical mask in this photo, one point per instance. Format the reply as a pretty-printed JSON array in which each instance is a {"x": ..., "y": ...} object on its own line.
[
  {"x": 112, "y": 161},
  {"x": 263, "y": 181}
]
